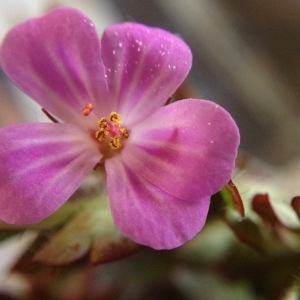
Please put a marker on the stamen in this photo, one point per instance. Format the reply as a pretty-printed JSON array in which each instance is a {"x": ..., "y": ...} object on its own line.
[
  {"x": 110, "y": 130},
  {"x": 101, "y": 134},
  {"x": 124, "y": 133},
  {"x": 87, "y": 109},
  {"x": 103, "y": 123},
  {"x": 115, "y": 143},
  {"x": 114, "y": 117}
]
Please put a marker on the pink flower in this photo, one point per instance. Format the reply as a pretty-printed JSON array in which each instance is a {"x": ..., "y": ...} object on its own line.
[{"x": 162, "y": 162}]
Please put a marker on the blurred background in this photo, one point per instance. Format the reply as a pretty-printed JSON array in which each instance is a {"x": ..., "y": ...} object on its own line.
[{"x": 246, "y": 58}]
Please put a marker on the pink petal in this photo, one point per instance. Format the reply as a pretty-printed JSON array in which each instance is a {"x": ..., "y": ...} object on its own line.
[
  {"x": 55, "y": 59},
  {"x": 186, "y": 149},
  {"x": 41, "y": 166},
  {"x": 144, "y": 66},
  {"x": 148, "y": 215}
]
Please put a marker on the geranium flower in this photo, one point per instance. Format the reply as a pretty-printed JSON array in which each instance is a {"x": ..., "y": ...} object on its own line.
[{"x": 162, "y": 163}]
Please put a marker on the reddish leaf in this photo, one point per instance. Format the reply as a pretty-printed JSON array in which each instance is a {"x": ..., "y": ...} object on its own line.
[
  {"x": 296, "y": 205},
  {"x": 249, "y": 233},
  {"x": 231, "y": 194},
  {"x": 262, "y": 206}
]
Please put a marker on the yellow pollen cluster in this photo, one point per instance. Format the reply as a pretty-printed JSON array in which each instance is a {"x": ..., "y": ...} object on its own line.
[{"x": 110, "y": 130}]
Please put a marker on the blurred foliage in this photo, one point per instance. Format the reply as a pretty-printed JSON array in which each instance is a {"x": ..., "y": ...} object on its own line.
[{"x": 249, "y": 249}]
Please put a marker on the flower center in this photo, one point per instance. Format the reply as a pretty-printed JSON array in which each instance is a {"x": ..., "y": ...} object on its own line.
[{"x": 111, "y": 131}]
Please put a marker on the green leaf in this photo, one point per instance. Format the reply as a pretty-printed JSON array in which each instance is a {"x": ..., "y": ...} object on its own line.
[
  {"x": 53, "y": 221},
  {"x": 91, "y": 232}
]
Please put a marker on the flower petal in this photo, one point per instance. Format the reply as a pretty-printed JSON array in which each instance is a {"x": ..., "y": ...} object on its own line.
[
  {"x": 41, "y": 166},
  {"x": 144, "y": 67},
  {"x": 187, "y": 149},
  {"x": 55, "y": 59},
  {"x": 148, "y": 215}
]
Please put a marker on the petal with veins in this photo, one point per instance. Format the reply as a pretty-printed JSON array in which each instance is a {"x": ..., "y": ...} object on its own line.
[
  {"x": 172, "y": 158},
  {"x": 148, "y": 215},
  {"x": 55, "y": 59},
  {"x": 187, "y": 149},
  {"x": 144, "y": 67},
  {"x": 41, "y": 167}
]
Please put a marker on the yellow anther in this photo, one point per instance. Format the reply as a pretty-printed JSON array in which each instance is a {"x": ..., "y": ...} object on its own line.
[
  {"x": 110, "y": 130},
  {"x": 115, "y": 117},
  {"x": 124, "y": 133},
  {"x": 101, "y": 135},
  {"x": 102, "y": 123},
  {"x": 115, "y": 143}
]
